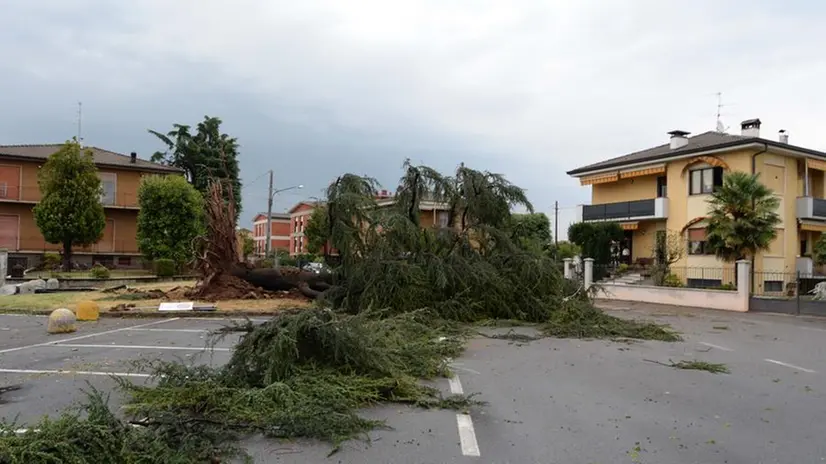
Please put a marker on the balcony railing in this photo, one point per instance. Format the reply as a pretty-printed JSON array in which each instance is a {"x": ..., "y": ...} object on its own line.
[
  {"x": 40, "y": 245},
  {"x": 811, "y": 208},
  {"x": 32, "y": 195},
  {"x": 654, "y": 208}
]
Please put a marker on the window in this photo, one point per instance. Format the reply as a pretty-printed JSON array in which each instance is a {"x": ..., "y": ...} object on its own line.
[
  {"x": 108, "y": 181},
  {"x": 442, "y": 218},
  {"x": 773, "y": 286},
  {"x": 4, "y": 189},
  {"x": 662, "y": 187},
  {"x": 124, "y": 261},
  {"x": 803, "y": 248},
  {"x": 697, "y": 244},
  {"x": 705, "y": 180}
]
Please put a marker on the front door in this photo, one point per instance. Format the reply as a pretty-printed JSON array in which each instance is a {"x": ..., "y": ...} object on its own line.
[{"x": 626, "y": 247}]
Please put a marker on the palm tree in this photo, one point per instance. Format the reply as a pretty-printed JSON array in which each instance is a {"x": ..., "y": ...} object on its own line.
[{"x": 742, "y": 217}]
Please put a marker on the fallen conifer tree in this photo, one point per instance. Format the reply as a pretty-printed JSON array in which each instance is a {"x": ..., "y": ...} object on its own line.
[{"x": 389, "y": 314}]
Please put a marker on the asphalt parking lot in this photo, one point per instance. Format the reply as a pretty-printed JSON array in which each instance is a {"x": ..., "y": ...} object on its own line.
[{"x": 548, "y": 401}]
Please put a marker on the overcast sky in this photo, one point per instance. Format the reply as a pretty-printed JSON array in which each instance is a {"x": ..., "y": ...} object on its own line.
[{"x": 314, "y": 88}]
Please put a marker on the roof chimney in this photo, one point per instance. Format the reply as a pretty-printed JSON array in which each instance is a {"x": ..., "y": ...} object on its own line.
[
  {"x": 679, "y": 139},
  {"x": 783, "y": 136},
  {"x": 750, "y": 128},
  {"x": 133, "y": 158}
]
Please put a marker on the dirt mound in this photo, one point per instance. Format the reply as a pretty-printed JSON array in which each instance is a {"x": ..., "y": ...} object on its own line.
[{"x": 226, "y": 287}]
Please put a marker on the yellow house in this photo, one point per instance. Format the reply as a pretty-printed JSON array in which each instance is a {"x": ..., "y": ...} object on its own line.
[{"x": 666, "y": 188}]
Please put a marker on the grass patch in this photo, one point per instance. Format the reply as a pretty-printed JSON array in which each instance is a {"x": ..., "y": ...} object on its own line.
[
  {"x": 50, "y": 301},
  {"x": 113, "y": 274}
]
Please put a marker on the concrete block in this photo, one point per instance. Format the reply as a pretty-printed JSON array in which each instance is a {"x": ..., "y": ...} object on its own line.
[
  {"x": 61, "y": 321},
  {"x": 52, "y": 284},
  {"x": 8, "y": 289},
  {"x": 87, "y": 311}
]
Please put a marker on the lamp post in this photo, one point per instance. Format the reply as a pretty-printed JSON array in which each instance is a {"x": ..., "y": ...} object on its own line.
[{"x": 272, "y": 194}]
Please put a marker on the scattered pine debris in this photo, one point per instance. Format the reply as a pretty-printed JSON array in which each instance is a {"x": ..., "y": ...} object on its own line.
[{"x": 714, "y": 368}]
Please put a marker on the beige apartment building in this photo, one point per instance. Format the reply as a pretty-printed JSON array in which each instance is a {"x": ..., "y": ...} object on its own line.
[{"x": 666, "y": 188}]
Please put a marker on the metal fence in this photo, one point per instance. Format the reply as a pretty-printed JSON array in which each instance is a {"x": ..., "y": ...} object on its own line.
[
  {"x": 788, "y": 292},
  {"x": 724, "y": 278}
]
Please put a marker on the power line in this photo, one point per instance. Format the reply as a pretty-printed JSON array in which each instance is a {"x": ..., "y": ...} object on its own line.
[{"x": 255, "y": 180}]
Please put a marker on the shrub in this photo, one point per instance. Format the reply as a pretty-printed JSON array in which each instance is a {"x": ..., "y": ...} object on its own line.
[
  {"x": 287, "y": 261},
  {"x": 51, "y": 261},
  {"x": 672, "y": 280},
  {"x": 266, "y": 263},
  {"x": 726, "y": 286},
  {"x": 622, "y": 268},
  {"x": 99, "y": 271},
  {"x": 164, "y": 267}
]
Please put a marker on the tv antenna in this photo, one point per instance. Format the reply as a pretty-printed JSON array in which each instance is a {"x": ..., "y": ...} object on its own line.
[
  {"x": 720, "y": 127},
  {"x": 80, "y": 123}
]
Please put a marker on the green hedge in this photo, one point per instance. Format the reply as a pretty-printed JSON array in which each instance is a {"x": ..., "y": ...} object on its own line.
[{"x": 164, "y": 267}]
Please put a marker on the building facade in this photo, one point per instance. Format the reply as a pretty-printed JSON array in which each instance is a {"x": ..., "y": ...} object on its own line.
[
  {"x": 19, "y": 193},
  {"x": 299, "y": 218},
  {"x": 665, "y": 189},
  {"x": 279, "y": 234}
]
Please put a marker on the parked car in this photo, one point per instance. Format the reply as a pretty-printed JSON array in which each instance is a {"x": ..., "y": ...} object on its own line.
[{"x": 318, "y": 268}]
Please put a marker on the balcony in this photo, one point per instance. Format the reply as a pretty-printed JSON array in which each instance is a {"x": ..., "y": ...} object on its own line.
[
  {"x": 654, "y": 208},
  {"x": 811, "y": 208},
  {"x": 31, "y": 195}
]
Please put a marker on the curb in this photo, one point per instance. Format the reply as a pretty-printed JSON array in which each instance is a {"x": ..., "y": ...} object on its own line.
[{"x": 158, "y": 314}]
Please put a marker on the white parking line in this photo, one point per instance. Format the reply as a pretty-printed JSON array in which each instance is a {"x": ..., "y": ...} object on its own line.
[
  {"x": 70, "y": 372},
  {"x": 712, "y": 345},
  {"x": 455, "y": 385},
  {"x": 467, "y": 436},
  {"x": 781, "y": 363},
  {"x": 82, "y": 337},
  {"x": 131, "y": 329},
  {"x": 140, "y": 347}
]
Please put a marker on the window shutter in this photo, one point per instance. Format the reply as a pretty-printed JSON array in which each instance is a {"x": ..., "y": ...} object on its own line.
[{"x": 697, "y": 235}]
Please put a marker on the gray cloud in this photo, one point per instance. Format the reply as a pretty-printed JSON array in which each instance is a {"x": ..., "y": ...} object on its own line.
[{"x": 313, "y": 89}]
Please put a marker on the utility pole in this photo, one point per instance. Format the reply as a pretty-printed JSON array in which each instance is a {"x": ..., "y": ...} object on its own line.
[
  {"x": 268, "y": 246},
  {"x": 556, "y": 222}
]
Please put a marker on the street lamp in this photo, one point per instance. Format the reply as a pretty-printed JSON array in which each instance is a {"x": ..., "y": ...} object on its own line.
[{"x": 272, "y": 194}]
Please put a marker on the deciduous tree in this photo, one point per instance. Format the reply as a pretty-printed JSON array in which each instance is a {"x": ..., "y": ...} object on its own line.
[
  {"x": 204, "y": 156},
  {"x": 171, "y": 216},
  {"x": 70, "y": 211},
  {"x": 531, "y": 232}
]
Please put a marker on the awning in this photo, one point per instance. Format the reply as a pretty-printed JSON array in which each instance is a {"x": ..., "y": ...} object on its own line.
[
  {"x": 629, "y": 225},
  {"x": 812, "y": 227},
  {"x": 599, "y": 179},
  {"x": 643, "y": 172},
  {"x": 816, "y": 164}
]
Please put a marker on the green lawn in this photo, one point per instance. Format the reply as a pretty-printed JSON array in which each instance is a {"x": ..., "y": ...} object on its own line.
[
  {"x": 42, "y": 301},
  {"x": 49, "y": 301},
  {"x": 115, "y": 273}
]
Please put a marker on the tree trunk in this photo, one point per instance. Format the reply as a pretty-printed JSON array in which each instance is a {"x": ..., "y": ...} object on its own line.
[{"x": 67, "y": 256}]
